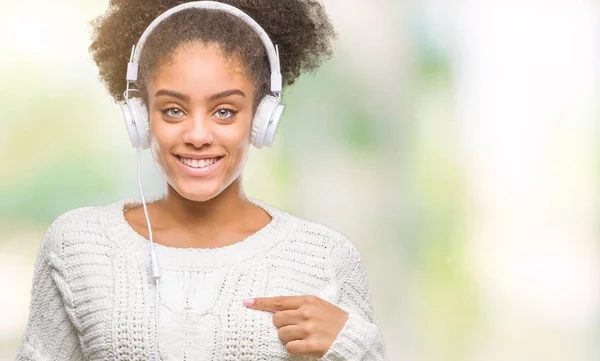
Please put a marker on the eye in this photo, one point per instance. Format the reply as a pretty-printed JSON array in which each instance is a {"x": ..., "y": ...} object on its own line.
[
  {"x": 225, "y": 113},
  {"x": 173, "y": 112}
]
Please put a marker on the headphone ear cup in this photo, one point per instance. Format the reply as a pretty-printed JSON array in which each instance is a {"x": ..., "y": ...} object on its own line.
[
  {"x": 272, "y": 125},
  {"x": 131, "y": 128},
  {"x": 136, "y": 119},
  {"x": 265, "y": 121},
  {"x": 140, "y": 113}
]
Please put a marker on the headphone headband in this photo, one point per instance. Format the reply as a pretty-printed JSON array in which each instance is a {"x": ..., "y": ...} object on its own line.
[{"x": 272, "y": 53}]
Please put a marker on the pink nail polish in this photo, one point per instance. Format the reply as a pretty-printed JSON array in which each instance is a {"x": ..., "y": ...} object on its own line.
[{"x": 248, "y": 302}]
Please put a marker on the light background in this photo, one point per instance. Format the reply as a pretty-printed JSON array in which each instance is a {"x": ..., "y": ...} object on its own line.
[{"x": 454, "y": 142}]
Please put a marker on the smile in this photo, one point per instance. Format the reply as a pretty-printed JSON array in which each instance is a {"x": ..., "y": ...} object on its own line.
[
  {"x": 199, "y": 167},
  {"x": 199, "y": 163}
]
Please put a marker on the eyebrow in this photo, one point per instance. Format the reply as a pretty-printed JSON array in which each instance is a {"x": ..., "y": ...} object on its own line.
[
  {"x": 226, "y": 94},
  {"x": 171, "y": 93},
  {"x": 212, "y": 97}
]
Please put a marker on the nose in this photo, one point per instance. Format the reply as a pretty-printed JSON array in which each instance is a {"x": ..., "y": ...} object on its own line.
[{"x": 198, "y": 131}]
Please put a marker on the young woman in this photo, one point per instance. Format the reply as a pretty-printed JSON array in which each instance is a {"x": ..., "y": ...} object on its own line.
[{"x": 203, "y": 272}]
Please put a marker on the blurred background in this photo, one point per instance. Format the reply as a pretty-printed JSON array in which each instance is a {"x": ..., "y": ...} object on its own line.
[{"x": 454, "y": 142}]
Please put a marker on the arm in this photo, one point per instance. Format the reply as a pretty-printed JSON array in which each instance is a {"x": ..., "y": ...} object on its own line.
[
  {"x": 359, "y": 339},
  {"x": 50, "y": 333}
]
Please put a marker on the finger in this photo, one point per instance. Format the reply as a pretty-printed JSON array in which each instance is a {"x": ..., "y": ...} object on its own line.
[
  {"x": 288, "y": 317},
  {"x": 291, "y": 333},
  {"x": 306, "y": 347},
  {"x": 274, "y": 304}
]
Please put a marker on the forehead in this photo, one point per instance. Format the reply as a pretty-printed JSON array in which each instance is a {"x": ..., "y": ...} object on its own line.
[{"x": 198, "y": 68}]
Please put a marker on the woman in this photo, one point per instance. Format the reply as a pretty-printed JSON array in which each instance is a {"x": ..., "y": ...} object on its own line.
[{"x": 215, "y": 275}]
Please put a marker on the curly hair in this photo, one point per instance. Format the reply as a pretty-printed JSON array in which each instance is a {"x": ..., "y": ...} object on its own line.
[{"x": 300, "y": 28}]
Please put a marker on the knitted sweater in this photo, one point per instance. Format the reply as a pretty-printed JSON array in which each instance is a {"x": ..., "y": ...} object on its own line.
[{"x": 93, "y": 297}]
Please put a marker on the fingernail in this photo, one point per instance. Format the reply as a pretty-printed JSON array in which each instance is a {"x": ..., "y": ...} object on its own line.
[{"x": 248, "y": 302}]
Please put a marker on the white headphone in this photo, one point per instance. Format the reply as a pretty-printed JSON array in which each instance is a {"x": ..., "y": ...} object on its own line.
[{"x": 267, "y": 114}]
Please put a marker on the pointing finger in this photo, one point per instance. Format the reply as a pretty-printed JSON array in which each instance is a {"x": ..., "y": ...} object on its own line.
[{"x": 274, "y": 304}]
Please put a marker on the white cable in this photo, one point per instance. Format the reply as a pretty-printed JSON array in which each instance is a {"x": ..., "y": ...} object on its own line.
[
  {"x": 153, "y": 256},
  {"x": 139, "y": 154},
  {"x": 156, "y": 322}
]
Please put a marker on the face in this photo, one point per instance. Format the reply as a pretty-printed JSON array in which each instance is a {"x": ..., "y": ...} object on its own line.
[{"x": 200, "y": 107}]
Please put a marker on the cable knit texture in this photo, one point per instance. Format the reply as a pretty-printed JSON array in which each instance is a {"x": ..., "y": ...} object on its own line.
[{"x": 93, "y": 297}]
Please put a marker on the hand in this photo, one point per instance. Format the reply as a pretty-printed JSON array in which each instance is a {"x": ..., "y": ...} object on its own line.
[{"x": 307, "y": 324}]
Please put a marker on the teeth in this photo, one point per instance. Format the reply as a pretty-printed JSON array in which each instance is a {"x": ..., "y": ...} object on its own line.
[{"x": 198, "y": 163}]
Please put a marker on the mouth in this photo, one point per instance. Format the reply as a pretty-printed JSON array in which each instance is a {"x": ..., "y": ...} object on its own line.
[
  {"x": 199, "y": 167},
  {"x": 198, "y": 163}
]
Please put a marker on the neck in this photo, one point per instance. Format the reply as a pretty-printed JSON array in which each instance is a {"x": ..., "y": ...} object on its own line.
[{"x": 230, "y": 205}]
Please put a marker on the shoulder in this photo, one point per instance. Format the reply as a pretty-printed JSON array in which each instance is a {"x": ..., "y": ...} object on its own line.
[
  {"x": 75, "y": 227},
  {"x": 72, "y": 219},
  {"x": 78, "y": 219},
  {"x": 336, "y": 244},
  {"x": 69, "y": 221},
  {"x": 341, "y": 256}
]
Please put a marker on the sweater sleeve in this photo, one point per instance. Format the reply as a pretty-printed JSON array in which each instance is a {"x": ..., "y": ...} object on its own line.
[
  {"x": 359, "y": 339},
  {"x": 50, "y": 332}
]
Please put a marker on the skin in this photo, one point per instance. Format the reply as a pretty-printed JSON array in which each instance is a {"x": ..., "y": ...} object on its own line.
[
  {"x": 202, "y": 103},
  {"x": 308, "y": 325},
  {"x": 210, "y": 211}
]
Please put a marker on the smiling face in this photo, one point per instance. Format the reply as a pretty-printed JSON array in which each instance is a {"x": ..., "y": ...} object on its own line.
[{"x": 200, "y": 106}]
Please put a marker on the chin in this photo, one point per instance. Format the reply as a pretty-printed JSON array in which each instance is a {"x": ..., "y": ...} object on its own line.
[
  {"x": 198, "y": 193},
  {"x": 199, "y": 190}
]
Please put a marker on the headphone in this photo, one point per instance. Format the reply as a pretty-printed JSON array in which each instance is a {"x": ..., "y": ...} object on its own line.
[{"x": 267, "y": 114}]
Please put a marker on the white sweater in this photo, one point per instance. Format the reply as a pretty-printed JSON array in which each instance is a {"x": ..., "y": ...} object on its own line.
[{"x": 93, "y": 297}]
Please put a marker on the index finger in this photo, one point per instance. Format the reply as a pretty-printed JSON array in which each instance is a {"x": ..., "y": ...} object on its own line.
[{"x": 274, "y": 304}]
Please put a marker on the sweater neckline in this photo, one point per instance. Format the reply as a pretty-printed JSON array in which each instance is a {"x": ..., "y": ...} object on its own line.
[{"x": 255, "y": 244}]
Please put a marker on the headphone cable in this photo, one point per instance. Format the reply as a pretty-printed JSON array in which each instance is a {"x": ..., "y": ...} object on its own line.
[{"x": 153, "y": 255}]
